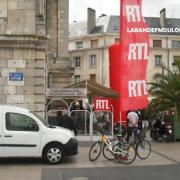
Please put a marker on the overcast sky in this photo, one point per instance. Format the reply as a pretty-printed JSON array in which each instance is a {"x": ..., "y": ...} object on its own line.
[{"x": 78, "y": 8}]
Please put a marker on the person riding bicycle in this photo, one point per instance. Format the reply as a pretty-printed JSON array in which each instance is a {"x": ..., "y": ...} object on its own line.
[{"x": 132, "y": 124}]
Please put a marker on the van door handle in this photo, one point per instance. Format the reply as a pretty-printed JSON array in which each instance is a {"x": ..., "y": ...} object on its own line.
[{"x": 8, "y": 136}]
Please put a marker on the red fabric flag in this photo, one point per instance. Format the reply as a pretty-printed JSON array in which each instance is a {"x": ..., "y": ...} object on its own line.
[{"x": 128, "y": 61}]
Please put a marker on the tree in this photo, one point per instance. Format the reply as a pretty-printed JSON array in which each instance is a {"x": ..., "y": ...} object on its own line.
[{"x": 166, "y": 93}]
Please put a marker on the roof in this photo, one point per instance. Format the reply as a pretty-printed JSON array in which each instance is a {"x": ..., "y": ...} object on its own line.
[
  {"x": 80, "y": 28},
  {"x": 154, "y": 22},
  {"x": 111, "y": 24},
  {"x": 95, "y": 89}
]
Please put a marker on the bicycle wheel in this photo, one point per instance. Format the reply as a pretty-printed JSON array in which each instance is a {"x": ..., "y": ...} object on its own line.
[
  {"x": 95, "y": 151},
  {"x": 126, "y": 153},
  {"x": 107, "y": 153},
  {"x": 143, "y": 149}
]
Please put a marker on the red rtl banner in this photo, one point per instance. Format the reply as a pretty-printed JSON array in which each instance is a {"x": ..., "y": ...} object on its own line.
[{"x": 128, "y": 61}]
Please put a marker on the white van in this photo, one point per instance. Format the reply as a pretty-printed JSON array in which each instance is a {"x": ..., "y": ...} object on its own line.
[{"x": 23, "y": 134}]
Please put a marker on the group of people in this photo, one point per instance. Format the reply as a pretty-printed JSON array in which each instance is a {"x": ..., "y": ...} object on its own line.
[
  {"x": 73, "y": 123},
  {"x": 133, "y": 122}
]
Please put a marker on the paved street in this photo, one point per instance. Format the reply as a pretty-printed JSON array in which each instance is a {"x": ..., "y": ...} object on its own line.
[
  {"x": 164, "y": 161},
  {"x": 165, "y": 172}
]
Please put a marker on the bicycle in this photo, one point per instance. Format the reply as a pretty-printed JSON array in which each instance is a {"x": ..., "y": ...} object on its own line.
[
  {"x": 112, "y": 149},
  {"x": 142, "y": 145}
]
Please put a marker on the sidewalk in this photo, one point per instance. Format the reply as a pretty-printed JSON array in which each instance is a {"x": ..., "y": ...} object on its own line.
[{"x": 162, "y": 154}]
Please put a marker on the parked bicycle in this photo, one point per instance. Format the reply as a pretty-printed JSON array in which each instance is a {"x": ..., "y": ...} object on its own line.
[
  {"x": 142, "y": 145},
  {"x": 112, "y": 149}
]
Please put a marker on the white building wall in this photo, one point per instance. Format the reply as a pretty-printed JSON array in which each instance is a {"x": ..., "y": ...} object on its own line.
[{"x": 102, "y": 53}]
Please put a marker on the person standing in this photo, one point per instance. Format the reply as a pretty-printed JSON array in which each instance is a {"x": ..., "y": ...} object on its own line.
[
  {"x": 66, "y": 121},
  {"x": 132, "y": 124}
]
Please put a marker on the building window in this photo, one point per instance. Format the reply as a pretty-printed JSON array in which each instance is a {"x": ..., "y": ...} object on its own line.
[
  {"x": 77, "y": 78},
  {"x": 77, "y": 62},
  {"x": 175, "y": 44},
  {"x": 79, "y": 45},
  {"x": 157, "y": 79},
  {"x": 40, "y": 8},
  {"x": 176, "y": 58},
  {"x": 116, "y": 28},
  {"x": 158, "y": 60},
  {"x": 117, "y": 40},
  {"x": 94, "y": 43},
  {"x": 174, "y": 66},
  {"x": 93, "y": 77},
  {"x": 157, "y": 43},
  {"x": 92, "y": 61}
]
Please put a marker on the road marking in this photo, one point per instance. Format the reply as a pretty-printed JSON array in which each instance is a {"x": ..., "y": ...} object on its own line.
[{"x": 79, "y": 178}]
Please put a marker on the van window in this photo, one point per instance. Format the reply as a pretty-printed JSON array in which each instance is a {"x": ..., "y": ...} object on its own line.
[{"x": 20, "y": 122}]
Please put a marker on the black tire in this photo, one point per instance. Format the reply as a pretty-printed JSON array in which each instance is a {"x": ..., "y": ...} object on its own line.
[
  {"x": 154, "y": 135},
  {"x": 53, "y": 154},
  {"x": 143, "y": 149},
  {"x": 129, "y": 154},
  {"x": 95, "y": 151},
  {"x": 107, "y": 153}
]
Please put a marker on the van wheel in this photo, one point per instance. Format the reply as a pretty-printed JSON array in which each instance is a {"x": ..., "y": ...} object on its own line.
[{"x": 53, "y": 154}]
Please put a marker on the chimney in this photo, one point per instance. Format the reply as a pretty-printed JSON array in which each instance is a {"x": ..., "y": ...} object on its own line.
[
  {"x": 91, "y": 20},
  {"x": 163, "y": 17},
  {"x": 102, "y": 15}
]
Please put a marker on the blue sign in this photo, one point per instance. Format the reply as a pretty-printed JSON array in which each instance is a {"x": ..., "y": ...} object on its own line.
[{"x": 16, "y": 76}]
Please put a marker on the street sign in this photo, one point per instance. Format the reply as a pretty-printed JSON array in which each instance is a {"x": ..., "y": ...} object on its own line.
[
  {"x": 67, "y": 92},
  {"x": 16, "y": 76}
]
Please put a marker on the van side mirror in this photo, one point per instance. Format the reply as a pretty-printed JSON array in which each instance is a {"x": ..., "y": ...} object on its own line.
[{"x": 35, "y": 127}]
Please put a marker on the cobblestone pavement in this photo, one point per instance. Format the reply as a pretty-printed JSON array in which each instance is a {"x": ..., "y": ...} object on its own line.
[{"x": 31, "y": 169}]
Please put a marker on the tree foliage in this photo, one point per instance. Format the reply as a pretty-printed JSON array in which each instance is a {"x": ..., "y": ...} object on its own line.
[{"x": 166, "y": 93}]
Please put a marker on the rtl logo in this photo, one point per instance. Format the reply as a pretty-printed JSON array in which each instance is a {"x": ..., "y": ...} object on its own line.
[{"x": 102, "y": 103}]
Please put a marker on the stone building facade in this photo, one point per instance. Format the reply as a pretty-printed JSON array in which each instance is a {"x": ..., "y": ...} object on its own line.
[
  {"x": 28, "y": 40},
  {"x": 59, "y": 65}
]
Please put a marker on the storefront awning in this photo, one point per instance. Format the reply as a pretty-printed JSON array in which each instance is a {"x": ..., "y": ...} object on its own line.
[{"x": 95, "y": 89}]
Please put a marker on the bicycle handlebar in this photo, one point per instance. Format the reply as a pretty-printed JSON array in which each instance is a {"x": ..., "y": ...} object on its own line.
[{"x": 103, "y": 132}]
